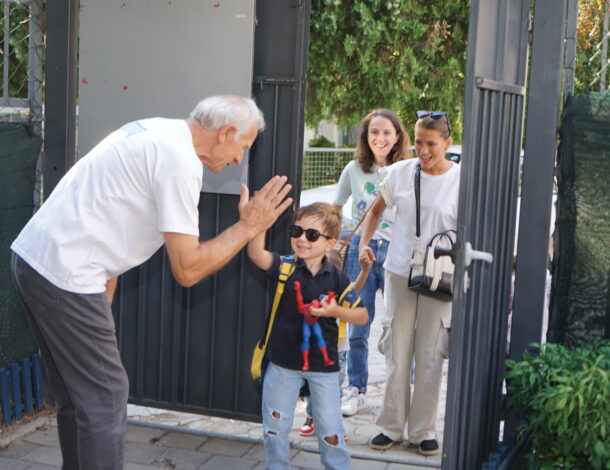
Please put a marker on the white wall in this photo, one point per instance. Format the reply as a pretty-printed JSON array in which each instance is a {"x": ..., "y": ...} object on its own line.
[{"x": 140, "y": 59}]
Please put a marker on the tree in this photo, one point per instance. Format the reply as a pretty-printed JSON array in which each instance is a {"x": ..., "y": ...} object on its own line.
[
  {"x": 18, "y": 32},
  {"x": 588, "y": 43},
  {"x": 403, "y": 55}
]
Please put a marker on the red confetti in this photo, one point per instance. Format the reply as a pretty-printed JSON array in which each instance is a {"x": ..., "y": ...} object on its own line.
[
  {"x": 216, "y": 5},
  {"x": 85, "y": 81},
  {"x": 125, "y": 87}
]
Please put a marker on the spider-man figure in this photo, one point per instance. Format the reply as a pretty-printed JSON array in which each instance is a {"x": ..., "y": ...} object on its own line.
[{"x": 310, "y": 323}]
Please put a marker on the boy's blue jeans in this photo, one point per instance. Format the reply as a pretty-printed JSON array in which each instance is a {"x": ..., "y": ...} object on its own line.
[
  {"x": 342, "y": 363},
  {"x": 358, "y": 355},
  {"x": 280, "y": 393}
]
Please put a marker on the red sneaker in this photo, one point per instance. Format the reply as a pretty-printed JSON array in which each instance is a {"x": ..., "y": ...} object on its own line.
[{"x": 308, "y": 428}]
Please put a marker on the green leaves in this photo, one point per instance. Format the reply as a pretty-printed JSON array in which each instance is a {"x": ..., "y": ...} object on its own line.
[
  {"x": 399, "y": 54},
  {"x": 565, "y": 396}
]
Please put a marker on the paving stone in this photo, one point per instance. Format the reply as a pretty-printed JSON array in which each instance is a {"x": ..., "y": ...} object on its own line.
[
  {"x": 401, "y": 466},
  {"x": 307, "y": 460},
  {"x": 45, "y": 455},
  {"x": 256, "y": 452},
  {"x": 139, "y": 466},
  {"x": 38, "y": 466},
  {"x": 136, "y": 452},
  {"x": 46, "y": 436},
  {"x": 182, "y": 440},
  {"x": 222, "y": 462},
  {"x": 183, "y": 459},
  {"x": 361, "y": 464},
  {"x": 226, "y": 447},
  {"x": 13, "y": 464},
  {"x": 144, "y": 434},
  {"x": 17, "y": 450}
]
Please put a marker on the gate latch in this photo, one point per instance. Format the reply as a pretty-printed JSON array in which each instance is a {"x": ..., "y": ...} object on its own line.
[{"x": 469, "y": 256}]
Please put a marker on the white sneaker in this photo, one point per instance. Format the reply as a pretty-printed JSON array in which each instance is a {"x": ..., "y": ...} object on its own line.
[{"x": 352, "y": 402}]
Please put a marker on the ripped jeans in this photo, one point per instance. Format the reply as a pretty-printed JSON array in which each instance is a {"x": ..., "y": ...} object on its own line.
[{"x": 280, "y": 394}]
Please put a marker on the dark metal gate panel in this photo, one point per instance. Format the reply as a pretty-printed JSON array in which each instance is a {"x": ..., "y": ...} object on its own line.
[
  {"x": 189, "y": 349},
  {"x": 493, "y": 111}
]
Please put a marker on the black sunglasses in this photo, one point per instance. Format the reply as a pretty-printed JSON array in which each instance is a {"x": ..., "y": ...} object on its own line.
[
  {"x": 434, "y": 115},
  {"x": 311, "y": 234}
]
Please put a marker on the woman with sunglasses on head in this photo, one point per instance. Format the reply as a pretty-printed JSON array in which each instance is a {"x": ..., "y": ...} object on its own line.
[
  {"x": 414, "y": 325},
  {"x": 382, "y": 140}
]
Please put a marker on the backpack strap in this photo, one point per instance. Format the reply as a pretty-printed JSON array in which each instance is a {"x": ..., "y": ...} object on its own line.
[
  {"x": 344, "y": 303},
  {"x": 287, "y": 267}
]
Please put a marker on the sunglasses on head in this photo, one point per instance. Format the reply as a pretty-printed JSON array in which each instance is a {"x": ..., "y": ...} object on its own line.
[
  {"x": 311, "y": 234},
  {"x": 436, "y": 115}
]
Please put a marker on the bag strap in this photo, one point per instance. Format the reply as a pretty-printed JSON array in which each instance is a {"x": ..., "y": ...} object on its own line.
[
  {"x": 416, "y": 186},
  {"x": 287, "y": 267}
]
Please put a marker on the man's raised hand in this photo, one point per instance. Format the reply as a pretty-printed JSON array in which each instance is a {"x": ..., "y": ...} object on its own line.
[{"x": 260, "y": 211}]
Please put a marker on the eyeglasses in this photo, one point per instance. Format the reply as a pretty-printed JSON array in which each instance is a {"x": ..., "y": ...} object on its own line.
[
  {"x": 311, "y": 234},
  {"x": 436, "y": 115}
]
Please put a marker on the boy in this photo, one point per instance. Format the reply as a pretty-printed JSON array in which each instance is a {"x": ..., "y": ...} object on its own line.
[
  {"x": 313, "y": 235},
  {"x": 308, "y": 427}
]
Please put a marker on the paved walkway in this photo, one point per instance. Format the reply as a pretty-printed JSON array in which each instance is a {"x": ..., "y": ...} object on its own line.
[{"x": 167, "y": 439}]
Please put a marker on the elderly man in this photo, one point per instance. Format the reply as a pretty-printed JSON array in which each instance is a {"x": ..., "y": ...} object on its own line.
[{"x": 137, "y": 189}]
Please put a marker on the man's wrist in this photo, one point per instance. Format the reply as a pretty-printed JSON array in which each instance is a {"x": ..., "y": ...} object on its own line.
[{"x": 249, "y": 230}]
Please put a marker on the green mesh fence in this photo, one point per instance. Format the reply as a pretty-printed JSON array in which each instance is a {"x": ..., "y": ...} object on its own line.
[
  {"x": 19, "y": 150},
  {"x": 580, "y": 310}
]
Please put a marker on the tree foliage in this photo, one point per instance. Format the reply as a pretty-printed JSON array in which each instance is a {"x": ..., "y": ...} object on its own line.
[
  {"x": 588, "y": 39},
  {"x": 18, "y": 48},
  {"x": 403, "y": 55}
]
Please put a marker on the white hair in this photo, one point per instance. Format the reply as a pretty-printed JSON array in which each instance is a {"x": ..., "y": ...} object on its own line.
[{"x": 216, "y": 112}]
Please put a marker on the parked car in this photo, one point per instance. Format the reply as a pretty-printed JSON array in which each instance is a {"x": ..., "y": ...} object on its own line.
[{"x": 327, "y": 194}]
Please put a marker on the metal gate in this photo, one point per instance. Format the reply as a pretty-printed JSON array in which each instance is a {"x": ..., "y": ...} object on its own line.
[
  {"x": 493, "y": 113},
  {"x": 189, "y": 349}
]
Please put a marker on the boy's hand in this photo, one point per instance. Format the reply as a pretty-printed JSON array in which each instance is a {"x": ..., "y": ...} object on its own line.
[
  {"x": 366, "y": 258},
  {"x": 326, "y": 309}
]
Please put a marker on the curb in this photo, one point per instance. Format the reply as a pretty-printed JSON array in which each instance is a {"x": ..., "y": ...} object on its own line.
[{"x": 23, "y": 428}]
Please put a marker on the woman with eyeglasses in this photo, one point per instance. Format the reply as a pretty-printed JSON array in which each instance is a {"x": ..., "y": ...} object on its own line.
[
  {"x": 382, "y": 140},
  {"x": 414, "y": 325}
]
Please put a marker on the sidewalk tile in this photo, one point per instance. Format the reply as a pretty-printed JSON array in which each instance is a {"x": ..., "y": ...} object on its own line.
[
  {"x": 363, "y": 464},
  {"x": 307, "y": 460},
  {"x": 183, "y": 440},
  {"x": 13, "y": 464},
  {"x": 136, "y": 452},
  {"x": 39, "y": 466},
  {"x": 46, "y": 436},
  {"x": 143, "y": 434},
  {"x": 222, "y": 462},
  {"x": 183, "y": 459},
  {"x": 45, "y": 455},
  {"x": 226, "y": 447},
  {"x": 17, "y": 450}
]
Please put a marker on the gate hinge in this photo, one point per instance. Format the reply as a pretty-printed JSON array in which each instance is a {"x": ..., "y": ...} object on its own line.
[
  {"x": 487, "y": 84},
  {"x": 274, "y": 81}
]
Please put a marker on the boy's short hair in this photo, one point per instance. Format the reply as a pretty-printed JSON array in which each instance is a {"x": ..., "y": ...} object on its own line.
[{"x": 329, "y": 214}]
